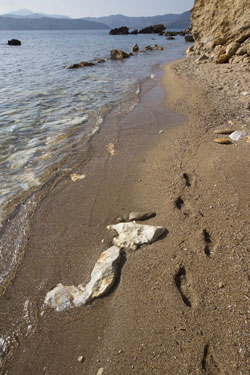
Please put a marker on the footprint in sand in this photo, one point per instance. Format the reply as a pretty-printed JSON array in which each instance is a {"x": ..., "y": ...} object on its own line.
[
  {"x": 210, "y": 247},
  {"x": 183, "y": 283},
  {"x": 209, "y": 364},
  {"x": 184, "y": 206}
]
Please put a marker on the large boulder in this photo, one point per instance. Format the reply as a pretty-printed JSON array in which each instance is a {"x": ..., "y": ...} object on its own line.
[
  {"x": 189, "y": 38},
  {"x": 220, "y": 22},
  {"x": 118, "y": 54},
  {"x": 14, "y": 42},
  {"x": 156, "y": 29},
  {"x": 119, "y": 31}
]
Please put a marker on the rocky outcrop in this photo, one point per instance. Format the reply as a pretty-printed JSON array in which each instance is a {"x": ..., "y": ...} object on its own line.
[
  {"x": 82, "y": 64},
  {"x": 118, "y": 54},
  {"x": 14, "y": 42},
  {"x": 156, "y": 29},
  {"x": 221, "y": 28},
  {"x": 119, "y": 31}
]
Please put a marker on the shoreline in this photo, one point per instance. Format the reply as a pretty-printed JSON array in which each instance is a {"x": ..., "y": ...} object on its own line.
[{"x": 169, "y": 312}]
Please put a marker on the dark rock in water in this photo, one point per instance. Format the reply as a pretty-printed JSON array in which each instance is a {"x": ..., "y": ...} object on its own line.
[
  {"x": 134, "y": 32},
  {"x": 189, "y": 38},
  {"x": 148, "y": 48},
  {"x": 118, "y": 54},
  {"x": 119, "y": 31},
  {"x": 86, "y": 63},
  {"x": 171, "y": 33},
  {"x": 135, "y": 48},
  {"x": 161, "y": 33},
  {"x": 156, "y": 29},
  {"x": 170, "y": 38},
  {"x": 82, "y": 64},
  {"x": 14, "y": 42},
  {"x": 158, "y": 48},
  {"x": 99, "y": 61}
]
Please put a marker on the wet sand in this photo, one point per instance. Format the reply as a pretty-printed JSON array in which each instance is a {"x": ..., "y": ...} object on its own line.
[{"x": 180, "y": 304}]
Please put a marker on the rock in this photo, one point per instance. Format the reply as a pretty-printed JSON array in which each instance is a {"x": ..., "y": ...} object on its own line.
[
  {"x": 119, "y": 31},
  {"x": 221, "y": 285},
  {"x": 14, "y": 42},
  {"x": 222, "y": 59},
  {"x": 148, "y": 48},
  {"x": 100, "y": 61},
  {"x": 245, "y": 93},
  {"x": 223, "y": 131},
  {"x": 170, "y": 38},
  {"x": 86, "y": 63},
  {"x": 190, "y": 50},
  {"x": 236, "y": 136},
  {"x": 241, "y": 51},
  {"x": 134, "y": 32},
  {"x": 73, "y": 66},
  {"x": 248, "y": 49},
  {"x": 140, "y": 216},
  {"x": 161, "y": 33},
  {"x": 135, "y": 48},
  {"x": 213, "y": 24},
  {"x": 202, "y": 58},
  {"x": 156, "y": 29},
  {"x": 80, "y": 359},
  {"x": 102, "y": 279},
  {"x": 171, "y": 33},
  {"x": 111, "y": 149},
  {"x": 82, "y": 64},
  {"x": 132, "y": 235},
  {"x": 118, "y": 54},
  {"x": 158, "y": 48},
  {"x": 100, "y": 371},
  {"x": 77, "y": 177},
  {"x": 223, "y": 141},
  {"x": 232, "y": 48},
  {"x": 189, "y": 38}
]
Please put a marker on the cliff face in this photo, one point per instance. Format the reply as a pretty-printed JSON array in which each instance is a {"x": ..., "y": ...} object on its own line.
[{"x": 221, "y": 29}]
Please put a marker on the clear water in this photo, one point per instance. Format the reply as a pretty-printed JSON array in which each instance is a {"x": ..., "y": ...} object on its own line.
[{"x": 46, "y": 110}]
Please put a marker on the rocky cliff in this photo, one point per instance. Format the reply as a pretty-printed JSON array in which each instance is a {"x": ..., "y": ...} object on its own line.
[{"x": 221, "y": 29}]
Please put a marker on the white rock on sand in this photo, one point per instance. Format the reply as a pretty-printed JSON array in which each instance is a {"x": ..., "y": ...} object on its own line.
[
  {"x": 103, "y": 277},
  {"x": 236, "y": 136},
  {"x": 131, "y": 235}
]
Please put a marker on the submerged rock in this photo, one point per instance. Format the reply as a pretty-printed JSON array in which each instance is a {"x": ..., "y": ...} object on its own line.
[
  {"x": 14, "y": 42},
  {"x": 148, "y": 48},
  {"x": 132, "y": 235},
  {"x": 118, "y": 54},
  {"x": 77, "y": 177},
  {"x": 140, "y": 216},
  {"x": 102, "y": 279}
]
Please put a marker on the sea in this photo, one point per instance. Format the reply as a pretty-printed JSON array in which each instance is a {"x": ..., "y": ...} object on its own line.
[{"x": 49, "y": 113}]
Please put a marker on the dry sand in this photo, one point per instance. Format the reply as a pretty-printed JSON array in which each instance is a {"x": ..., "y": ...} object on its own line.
[{"x": 181, "y": 304}]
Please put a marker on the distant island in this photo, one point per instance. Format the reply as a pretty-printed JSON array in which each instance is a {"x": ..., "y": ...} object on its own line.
[{"x": 27, "y": 20}]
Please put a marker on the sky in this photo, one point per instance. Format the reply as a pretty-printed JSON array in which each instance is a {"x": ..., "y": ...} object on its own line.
[{"x": 97, "y": 8}]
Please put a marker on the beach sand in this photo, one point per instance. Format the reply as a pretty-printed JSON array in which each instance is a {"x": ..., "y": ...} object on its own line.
[{"x": 180, "y": 305}]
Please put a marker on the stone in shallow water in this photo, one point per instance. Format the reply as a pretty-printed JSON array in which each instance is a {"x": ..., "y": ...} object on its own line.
[
  {"x": 102, "y": 279},
  {"x": 236, "y": 136},
  {"x": 77, "y": 177},
  {"x": 131, "y": 235}
]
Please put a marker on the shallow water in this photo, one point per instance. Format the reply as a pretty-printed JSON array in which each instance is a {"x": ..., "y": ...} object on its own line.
[{"x": 46, "y": 110}]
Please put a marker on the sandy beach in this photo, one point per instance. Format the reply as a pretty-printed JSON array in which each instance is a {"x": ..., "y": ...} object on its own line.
[{"x": 180, "y": 305}]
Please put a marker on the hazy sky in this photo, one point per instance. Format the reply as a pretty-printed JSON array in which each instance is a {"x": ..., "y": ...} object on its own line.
[{"x": 96, "y": 8}]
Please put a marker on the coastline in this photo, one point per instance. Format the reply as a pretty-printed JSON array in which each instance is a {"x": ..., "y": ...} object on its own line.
[{"x": 145, "y": 325}]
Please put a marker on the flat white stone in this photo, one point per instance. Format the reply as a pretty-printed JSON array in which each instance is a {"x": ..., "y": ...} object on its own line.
[
  {"x": 239, "y": 134},
  {"x": 102, "y": 279},
  {"x": 131, "y": 235}
]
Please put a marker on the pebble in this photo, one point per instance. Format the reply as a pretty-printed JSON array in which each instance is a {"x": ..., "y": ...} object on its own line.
[
  {"x": 80, "y": 359},
  {"x": 100, "y": 371},
  {"x": 238, "y": 135},
  {"x": 77, "y": 177},
  {"x": 221, "y": 285},
  {"x": 223, "y": 131},
  {"x": 161, "y": 131},
  {"x": 223, "y": 141},
  {"x": 245, "y": 93}
]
